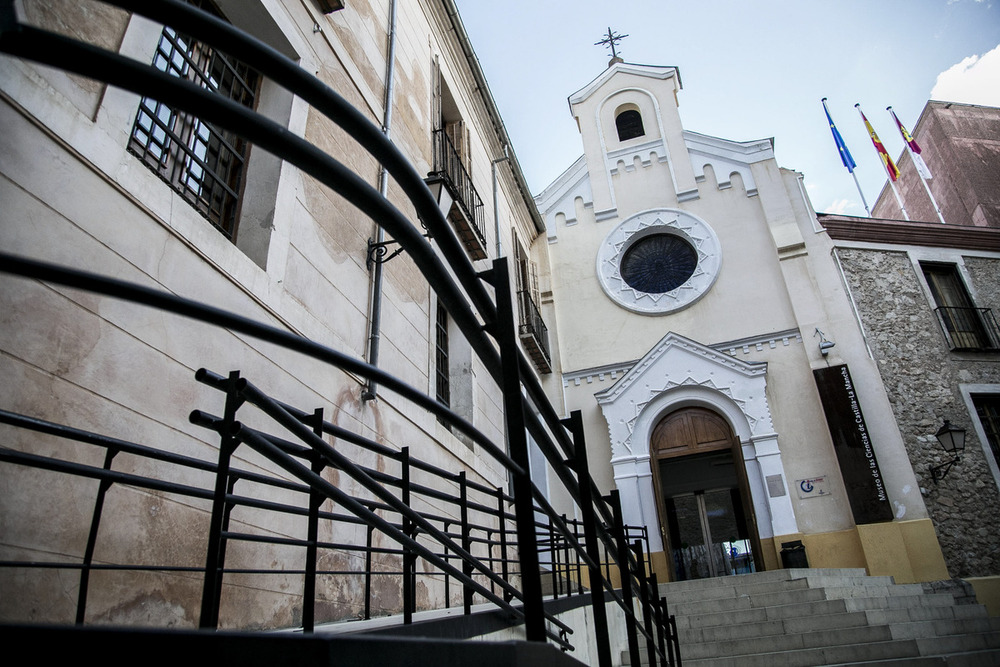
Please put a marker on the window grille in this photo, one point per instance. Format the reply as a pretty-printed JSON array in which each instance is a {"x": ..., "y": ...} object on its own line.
[
  {"x": 988, "y": 411},
  {"x": 202, "y": 162},
  {"x": 442, "y": 381},
  {"x": 965, "y": 326}
]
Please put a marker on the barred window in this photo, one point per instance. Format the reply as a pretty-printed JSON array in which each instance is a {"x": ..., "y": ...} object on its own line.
[
  {"x": 442, "y": 371},
  {"x": 202, "y": 162},
  {"x": 988, "y": 411}
]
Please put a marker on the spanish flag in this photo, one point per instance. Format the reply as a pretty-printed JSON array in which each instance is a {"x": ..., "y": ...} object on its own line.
[
  {"x": 890, "y": 166},
  {"x": 918, "y": 160}
]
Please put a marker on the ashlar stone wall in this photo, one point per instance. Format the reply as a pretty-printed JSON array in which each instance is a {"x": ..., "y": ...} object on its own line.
[{"x": 922, "y": 378}]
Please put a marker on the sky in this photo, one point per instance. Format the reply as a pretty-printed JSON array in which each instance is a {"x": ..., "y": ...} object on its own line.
[{"x": 750, "y": 69}]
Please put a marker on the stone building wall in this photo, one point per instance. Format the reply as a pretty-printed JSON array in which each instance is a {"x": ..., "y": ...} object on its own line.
[
  {"x": 958, "y": 143},
  {"x": 922, "y": 380}
]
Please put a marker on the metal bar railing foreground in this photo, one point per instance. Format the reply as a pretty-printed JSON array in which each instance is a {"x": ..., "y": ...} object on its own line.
[{"x": 463, "y": 298}]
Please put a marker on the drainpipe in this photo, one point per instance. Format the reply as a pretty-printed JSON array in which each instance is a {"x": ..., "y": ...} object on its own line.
[
  {"x": 496, "y": 201},
  {"x": 370, "y": 391}
]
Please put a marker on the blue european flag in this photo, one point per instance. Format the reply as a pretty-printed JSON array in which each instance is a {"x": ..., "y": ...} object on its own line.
[{"x": 845, "y": 155}]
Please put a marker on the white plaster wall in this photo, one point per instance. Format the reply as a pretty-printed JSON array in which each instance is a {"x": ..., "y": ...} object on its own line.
[{"x": 73, "y": 195}]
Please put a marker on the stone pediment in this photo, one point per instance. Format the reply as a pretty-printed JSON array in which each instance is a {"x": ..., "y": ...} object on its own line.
[
  {"x": 678, "y": 367},
  {"x": 649, "y": 71}
]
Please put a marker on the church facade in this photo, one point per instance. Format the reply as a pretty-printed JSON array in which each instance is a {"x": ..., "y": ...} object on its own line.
[
  {"x": 675, "y": 288},
  {"x": 706, "y": 334}
]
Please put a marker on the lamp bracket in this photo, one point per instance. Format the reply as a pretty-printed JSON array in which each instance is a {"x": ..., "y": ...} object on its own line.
[
  {"x": 939, "y": 472},
  {"x": 378, "y": 252}
]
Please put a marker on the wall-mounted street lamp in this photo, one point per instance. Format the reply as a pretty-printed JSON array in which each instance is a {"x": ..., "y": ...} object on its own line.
[{"x": 952, "y": 438}]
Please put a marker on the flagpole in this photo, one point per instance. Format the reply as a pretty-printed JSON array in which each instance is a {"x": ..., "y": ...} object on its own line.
[
  {"x": 845, "y": 156},
  {"x": 898, "y": 199},
  {"x": 863, "y": 201},
  {"x": 914, "y": 156},
  {"x": 883, "y": 154}
]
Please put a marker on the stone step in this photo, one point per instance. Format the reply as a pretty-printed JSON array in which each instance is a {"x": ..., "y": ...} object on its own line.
[
  {"x": 811, "y": 657},
  {"x": 854, "y": 599},
  {"x": 802, "y": 617},
  {"x": 971, "y": 659},
  {"x": 751, "y": 586},
  {"x": 758, "y": 578},
  {"x": 941, "y": 628},
  {"x": 761, "y": 614},
  {"x": 898, "y": 602},
  {"x": 743, "y": 601},
  {"x": 733, "y": 591},
  {"x": 964, "y": 643},
  {"x": 926, "y": 613}
]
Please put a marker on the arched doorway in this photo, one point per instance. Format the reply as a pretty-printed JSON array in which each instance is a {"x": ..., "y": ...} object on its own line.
[{"x": 703, "y": 498}]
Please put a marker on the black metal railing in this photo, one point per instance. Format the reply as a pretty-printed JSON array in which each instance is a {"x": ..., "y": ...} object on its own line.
[
  {"x": 969, "y": 328},
  {"x": 533, "y": 331},
  {"x": 485, "y": 540},
  {"x": 450, "y": 168}
]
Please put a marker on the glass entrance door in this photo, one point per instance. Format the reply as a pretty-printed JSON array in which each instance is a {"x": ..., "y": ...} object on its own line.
[{"x": 707, "y": 534}]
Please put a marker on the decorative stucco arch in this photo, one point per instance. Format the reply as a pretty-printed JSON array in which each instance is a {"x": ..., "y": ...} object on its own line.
[{"x": 678, "y": 373}]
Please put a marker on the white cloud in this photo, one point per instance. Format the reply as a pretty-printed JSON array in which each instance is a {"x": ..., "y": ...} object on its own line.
[
  {"x": 975, "y": 80},
  {"x": 843, "y": 207}
]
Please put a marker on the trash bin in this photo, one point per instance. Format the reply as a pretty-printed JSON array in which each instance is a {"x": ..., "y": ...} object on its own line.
[{"x": 793, "y": 554}]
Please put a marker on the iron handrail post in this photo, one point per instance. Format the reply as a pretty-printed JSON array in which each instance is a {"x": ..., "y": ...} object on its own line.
[
  {"x": 647, "y": 616},
  {"x": 553, "y": 561},
  {"x": 214, "y": 558},
  {"x": 675, "y": 640},
  {"x": 566, "y": 565},
  {"x": 95, "y": 524},
  {"x": 517, "y": 441},
  {"x": 624, "y": 567},
  {"x": 501, "y": 513},
  {"x": 447, "y": 578},
  {"x": 587, "y": 517},
  {"x": 659, "y": 617},
  {"x": 409, "y": 557},
  {"x": 312, "y": 535},
  {"x": 463, "y": 494},
  {"x": 368, "y": 571},
  {"x": 579, "y": 563}
]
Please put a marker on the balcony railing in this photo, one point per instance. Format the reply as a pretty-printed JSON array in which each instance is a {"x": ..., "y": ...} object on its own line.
[
  {"x": 533, "y": 332},
  {"x": 467, "y": 211},
  {"x": 969, "y": 328}
]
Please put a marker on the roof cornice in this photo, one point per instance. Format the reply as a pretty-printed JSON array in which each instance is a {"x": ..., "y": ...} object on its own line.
[
  {"x": 451, "y": 9},
  {"x": 649, "y": 71},
  {"x": 907, "y": 232}
]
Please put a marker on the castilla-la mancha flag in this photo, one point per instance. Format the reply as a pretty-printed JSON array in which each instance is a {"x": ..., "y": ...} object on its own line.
[
  {"x": 918, "y": 160},
  {"x": 890, "y": 166}
]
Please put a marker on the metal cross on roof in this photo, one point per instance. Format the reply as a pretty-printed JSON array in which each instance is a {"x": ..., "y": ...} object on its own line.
[{"x": 611, "y": 40}]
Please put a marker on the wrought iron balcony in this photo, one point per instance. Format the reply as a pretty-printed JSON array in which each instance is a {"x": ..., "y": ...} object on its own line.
[
  {"x": 466, "y": 213},
  {"x": 533, "y": 332},
  {"x": 969, "y": 328}
]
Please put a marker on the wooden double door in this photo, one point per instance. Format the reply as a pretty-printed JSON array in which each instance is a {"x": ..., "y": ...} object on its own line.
[{"x": 706, "y": 514}]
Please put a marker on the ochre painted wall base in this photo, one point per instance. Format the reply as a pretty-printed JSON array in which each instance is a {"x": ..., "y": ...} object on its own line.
[
  {"x": 987, "y": 593},
  {"x": 908, "y": 551}
]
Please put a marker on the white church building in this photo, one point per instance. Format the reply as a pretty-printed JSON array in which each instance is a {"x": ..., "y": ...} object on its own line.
[{"x": 702, "y": 326}]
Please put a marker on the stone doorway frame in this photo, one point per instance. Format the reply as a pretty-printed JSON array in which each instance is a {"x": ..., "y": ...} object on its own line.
[{"x": 677, "y": 373}]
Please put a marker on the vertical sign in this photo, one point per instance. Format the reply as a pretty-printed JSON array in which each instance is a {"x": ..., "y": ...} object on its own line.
[{"x": 851, "y": 441}]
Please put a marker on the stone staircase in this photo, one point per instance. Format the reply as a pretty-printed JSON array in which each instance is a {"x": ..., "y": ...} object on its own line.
[{"x": 812, "y": 617}]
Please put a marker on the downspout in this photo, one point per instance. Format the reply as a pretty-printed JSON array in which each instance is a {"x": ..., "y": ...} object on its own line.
[
  {"x": 496, "y": 201},
  {"x": 370, "y": 391}
]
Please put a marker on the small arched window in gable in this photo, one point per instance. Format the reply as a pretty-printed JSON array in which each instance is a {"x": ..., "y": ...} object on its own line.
[{"x": 629, "y": 124}]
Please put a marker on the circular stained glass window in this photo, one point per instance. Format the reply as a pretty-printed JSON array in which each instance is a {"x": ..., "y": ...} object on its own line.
[{"x": 658, "y": 263}]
